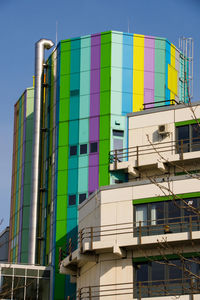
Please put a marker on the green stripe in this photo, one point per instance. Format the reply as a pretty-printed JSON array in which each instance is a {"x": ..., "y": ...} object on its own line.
[
  {"x": 105, "y": 96},
  {"x": 177, "y": 124},
  {"x": 165, "y": 198}
]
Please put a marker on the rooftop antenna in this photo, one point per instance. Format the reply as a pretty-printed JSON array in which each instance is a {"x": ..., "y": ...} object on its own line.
[
  {"x": 186, "y": 45},
  {"x": 56, "y": 33}
]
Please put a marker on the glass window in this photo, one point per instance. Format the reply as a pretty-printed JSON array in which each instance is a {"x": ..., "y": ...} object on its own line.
[
  {"x": 158, "y": 270},
  {"x": 183, "y": 135},
  {"x": 72, "y": 199},
  {"x": 157, "y": 213},
  {"x": 141, "y": 215},
  {"x": 141, "y": 271},
  {"x": 93, "y": 147},
  {"x": 83, "y": 149},
  {"x": 82, "y": 197},
  {"x": 73, "y": 150},
  {"x": 174, "y": 211},
  {"x": 118, "y": 132},
  {"x": 195, "y": 143}
]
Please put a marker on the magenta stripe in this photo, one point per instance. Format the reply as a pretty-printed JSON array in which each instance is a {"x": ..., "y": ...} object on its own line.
[
  {"x": 93, "y": 180},
  {"x": 22, "y": 181},
  {"x": 149, "y": 63}
]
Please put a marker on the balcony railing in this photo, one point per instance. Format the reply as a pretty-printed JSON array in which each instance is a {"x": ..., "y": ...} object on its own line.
[
  {"x": 139, "y": 290},
  {"x": 138, "y": 229},
  {"x": 159, "y": 149}
]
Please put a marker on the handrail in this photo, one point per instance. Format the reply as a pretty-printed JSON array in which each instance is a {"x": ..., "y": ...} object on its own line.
[
  {"x": 137, "y": 229},
  {"x": 178, "y": 146},
  {"x": 177, "y": 286}
]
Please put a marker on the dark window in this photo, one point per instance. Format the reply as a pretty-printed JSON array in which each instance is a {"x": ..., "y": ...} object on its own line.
[
  {"x": 73, "y": 150},
  {"x": 82, "y": 197},
  {"x": 118, "y": 181},
  {"x": 183, "y": 138},
  {"x": 74, "y": 92},
  {"x": 72, "y": 199},
  {"x": 83, "y": 149},
  {"x": 93, "y": 147},
  {"x": 118, "y": 133},
  {"x": 195, "y": 143},
  {"x": 141, "y": 272},
  {"x": 158, "y": 271}
]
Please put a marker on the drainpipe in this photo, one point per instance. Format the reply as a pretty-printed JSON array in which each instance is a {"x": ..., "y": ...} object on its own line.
[{"x": 40, "y": 46}]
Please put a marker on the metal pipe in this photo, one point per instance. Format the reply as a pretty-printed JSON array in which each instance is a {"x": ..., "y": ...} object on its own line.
[{"x": 40, "y": 46}]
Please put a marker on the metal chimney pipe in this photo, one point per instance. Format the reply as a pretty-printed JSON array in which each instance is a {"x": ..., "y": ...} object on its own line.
[{"x": 40, "y": 46}]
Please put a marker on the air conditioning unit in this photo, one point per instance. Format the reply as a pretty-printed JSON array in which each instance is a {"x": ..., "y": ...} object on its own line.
[{"x": 163, "y": 129}]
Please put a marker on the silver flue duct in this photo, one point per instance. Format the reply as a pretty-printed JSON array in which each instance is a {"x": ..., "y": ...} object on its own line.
[{"x": 40, "y": 46}]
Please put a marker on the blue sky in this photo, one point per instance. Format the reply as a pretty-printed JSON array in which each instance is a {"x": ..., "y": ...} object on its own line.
[{"x": 23, "y": 22}]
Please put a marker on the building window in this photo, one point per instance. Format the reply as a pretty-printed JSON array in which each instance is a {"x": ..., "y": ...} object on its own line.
[
  {"x": 158, "y": 278},
  {"x": 166, "y": 217},
  {"x": 73, "y": 150},
  {"x": 83, "y": 149},
  {"x": 82, "y": 198},
  {"x": 72, "y": 200},
  {"x": 188, "y": 137},
  {"x": 118, "y": 133},
  {"x": 93, "y": 147}
]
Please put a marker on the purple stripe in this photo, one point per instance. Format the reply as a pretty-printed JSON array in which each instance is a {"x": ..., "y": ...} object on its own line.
[
  {"x": 93, "y": 181},
  {"x": 149, "y": 63},
  {"x": 22, "y": 181}
]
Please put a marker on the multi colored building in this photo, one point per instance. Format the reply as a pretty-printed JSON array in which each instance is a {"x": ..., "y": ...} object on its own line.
[{"x": 88, "y": 86}]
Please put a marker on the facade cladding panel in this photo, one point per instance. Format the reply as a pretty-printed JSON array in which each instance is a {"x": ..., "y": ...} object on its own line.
[
  {"x": 93, "y": 82},
  {"x": 21, "y": 181}
]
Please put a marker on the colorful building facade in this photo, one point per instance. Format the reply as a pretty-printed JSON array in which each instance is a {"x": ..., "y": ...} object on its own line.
[{"x": 89, "y": 85}]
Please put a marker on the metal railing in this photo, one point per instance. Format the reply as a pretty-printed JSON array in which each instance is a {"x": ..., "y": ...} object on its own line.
[
  {"x": 175, "y": 147},
  {"x": 137, "y": 229},
  {"x": 142, "y": 289},
  {"x": 162, "y": 103}
]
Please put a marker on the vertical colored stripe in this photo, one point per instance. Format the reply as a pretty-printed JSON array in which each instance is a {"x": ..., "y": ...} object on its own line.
[
  {"x": 105, "y": 108},
  {"x": 138, "y": 72},
  {"x": 12, "y": 187},
  {"x": 94, "y": 111},
  {"x": 84, "y": 113},
  {"x": 22, "y": 181},
  {"x": 149, "y": 63},
  {"x": 127, "y": 74},
  {"x": 167, "y": 62}
]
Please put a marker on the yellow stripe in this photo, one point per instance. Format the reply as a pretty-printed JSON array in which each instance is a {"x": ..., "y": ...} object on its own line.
[
  {"x": 173, "y": 74},
  {"x": 138, "y": 72}
]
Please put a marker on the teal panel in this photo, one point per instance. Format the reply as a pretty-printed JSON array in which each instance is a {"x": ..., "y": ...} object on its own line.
[{"x": 159, "y": 90}]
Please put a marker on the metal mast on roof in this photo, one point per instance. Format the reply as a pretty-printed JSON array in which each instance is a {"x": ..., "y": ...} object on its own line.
[{"x": 186, "y": 46}]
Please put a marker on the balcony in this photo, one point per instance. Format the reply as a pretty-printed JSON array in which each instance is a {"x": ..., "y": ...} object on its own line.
[
  {"x": 140, "y": 290},
  {"x": 115, "y": 238},
  {"x": 156, "y": 155}
]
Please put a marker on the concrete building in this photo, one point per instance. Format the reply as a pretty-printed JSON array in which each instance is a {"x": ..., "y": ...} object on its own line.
[
  {"x": 4, "y": 239},
  {"x": 82, "y": 95},
  {"x": 140, "y": 239}
]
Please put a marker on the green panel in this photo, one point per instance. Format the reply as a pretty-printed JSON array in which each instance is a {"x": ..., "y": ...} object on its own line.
[
  {"x": 64, "y": 86},
  {"x": 63, "y": 134},
  {"x": 105, "y": 127},
  {"x": 165, "y": 198},
  {"x": 105, "y": 98},
  {"x": 105, "y": 79},
  {"x": 62, "y": 183},
  {"x": 177, "y": 124},
  {"x": 105, "y": 103},
  {"x": 63, "y": 109},
  {"x": 62, "y": 158}
]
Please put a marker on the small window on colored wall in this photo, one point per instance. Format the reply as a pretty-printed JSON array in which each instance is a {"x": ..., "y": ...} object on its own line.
[
  {"x": 93, "y": 147},
  {"x": 72, "y": 200}
]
